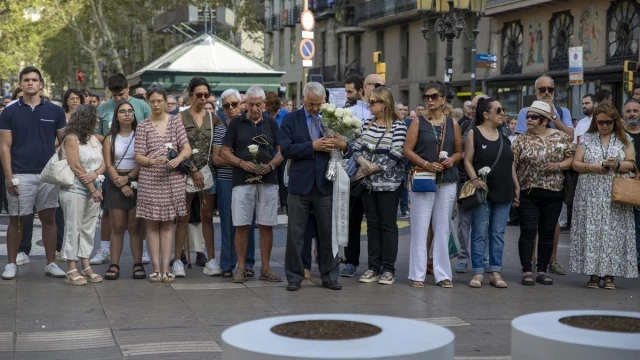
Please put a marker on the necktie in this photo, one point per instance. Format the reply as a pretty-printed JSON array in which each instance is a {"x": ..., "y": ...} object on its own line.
[{"x": 314, "y": 129}]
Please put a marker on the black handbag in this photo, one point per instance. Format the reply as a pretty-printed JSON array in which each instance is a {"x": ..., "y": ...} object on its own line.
[
  {"x": 359, "y": 186},
  {"x": 470, "y": 196},
  {"x": 186, "y": 165}
]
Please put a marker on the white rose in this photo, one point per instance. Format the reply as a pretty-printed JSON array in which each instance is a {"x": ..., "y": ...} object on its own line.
[
  {"x": 444, "y": 155},
  {"x": 100, "y": 178},
  {"x": 169, "y": 146},
  {"x": 15, "y": 181},
  {"x": 339, "y": 113},
  {"x": 484, "y": 171},
  {"x": 195, "y": 151},
  {"x": 356, "y": 122},
  {"x": 253, "y": 149},
  {"x": 323, "y": 107},
  {"x": 331, "y": 108},
  {"x": 348, "y": 112},
  {"x": 134, "y": 185}
]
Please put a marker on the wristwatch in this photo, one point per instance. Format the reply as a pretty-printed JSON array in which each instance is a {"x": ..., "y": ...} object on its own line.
[{"x": 554, "y": 117}]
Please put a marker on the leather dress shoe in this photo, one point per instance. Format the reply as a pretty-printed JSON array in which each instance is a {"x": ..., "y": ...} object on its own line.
[
  {"x": 332, "y": 285},
  {"x": 293, "y": 286}
]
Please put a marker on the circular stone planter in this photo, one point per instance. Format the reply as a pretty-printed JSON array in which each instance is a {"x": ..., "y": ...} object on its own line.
[
  {"x": 578, "y": 334},
  {"x": 324, "y": 336}
]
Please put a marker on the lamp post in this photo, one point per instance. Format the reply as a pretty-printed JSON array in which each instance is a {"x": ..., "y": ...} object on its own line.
[{"x": 449, "y": 25}]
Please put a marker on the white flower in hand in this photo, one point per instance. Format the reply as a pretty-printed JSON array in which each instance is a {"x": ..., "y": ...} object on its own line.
[
  {"x": 253, "y": 149},
  {"x": 15, "y": 181},
  {"x": 484, "y": 171},
  {"x": 443, "y": 155},
  {"x": 348, "y": 112},
  {"x": 195, "y": 151},
  {"x": 169, "y": 146},
  {"x": 323, "y": 107},
  {"x": 331, "y": 108},
  {"x": 134, "y": 185},
  {"x": 100, "y": 178},
  {"x": 339, "y": 113}
]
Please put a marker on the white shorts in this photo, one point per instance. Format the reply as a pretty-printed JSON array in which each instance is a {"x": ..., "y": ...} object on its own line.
[
  {"x": 261, "y": 198},
  {"x": 32, "y": 192}
]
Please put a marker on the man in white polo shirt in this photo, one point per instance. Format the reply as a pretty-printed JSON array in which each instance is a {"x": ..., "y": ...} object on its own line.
[{"x": 588, "y": 105}]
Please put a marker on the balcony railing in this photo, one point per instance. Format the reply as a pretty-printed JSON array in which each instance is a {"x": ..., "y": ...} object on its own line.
[
  {"x": 290, "y": 17},
  {"x": 276, "y": 24},
  {"x": 321, "y": 5},
  {"x": 377, "y": 9},
  {"x": 346, "y": 13}
]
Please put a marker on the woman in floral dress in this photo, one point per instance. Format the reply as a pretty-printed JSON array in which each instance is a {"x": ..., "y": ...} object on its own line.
[
  {"x": 603, "y": 234},
  {"x": 161, "y": 188}
]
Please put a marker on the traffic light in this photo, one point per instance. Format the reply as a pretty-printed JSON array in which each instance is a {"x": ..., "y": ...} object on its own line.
[
  {"x": 381, "y": 67},
  {"x": 627, "y": 78}
]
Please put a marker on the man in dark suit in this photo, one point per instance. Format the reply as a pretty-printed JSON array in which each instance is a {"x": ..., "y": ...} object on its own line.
[{"x": 301, "y": 141}]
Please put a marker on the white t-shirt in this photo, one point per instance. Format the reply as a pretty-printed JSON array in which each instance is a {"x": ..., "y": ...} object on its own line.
[{"x": 581, "y": 128}]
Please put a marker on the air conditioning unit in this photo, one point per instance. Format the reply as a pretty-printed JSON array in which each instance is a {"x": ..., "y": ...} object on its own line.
[{"x": 316, "y": 78}]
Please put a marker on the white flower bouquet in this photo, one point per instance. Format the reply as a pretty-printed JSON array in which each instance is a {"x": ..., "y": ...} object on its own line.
[{"x": 342, "y": 122}]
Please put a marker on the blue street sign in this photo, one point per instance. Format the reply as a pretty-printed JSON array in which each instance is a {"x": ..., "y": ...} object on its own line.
[
  {"x": 307, "y": 49},
  {"x": 486, "y": 58}
]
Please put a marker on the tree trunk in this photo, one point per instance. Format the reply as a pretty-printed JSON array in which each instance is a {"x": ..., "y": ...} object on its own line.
[{"x": 99, "y": 19}]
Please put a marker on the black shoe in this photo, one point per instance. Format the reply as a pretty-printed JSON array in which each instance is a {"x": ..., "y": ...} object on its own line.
[
  {"x": 201, "y": 259},
  {"x": 332, "y": 285},
  {"x": 293, "y": 286}
]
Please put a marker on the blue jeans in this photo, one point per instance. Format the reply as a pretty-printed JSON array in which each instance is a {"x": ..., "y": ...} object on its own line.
[
  {"x": 636, "y": 215},
  {"x": 228, "y": 257},
  {"x": 488, "y": 218}
]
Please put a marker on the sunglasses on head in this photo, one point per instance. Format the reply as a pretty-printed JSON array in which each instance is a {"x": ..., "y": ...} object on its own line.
[
  {"x": 605, "y": 122},
  {"x": 544, "y": 89},
  {"x": 201, "y": 95},
  {"x": 432, "y": 97},
  {"x": 230, "y": 105}
]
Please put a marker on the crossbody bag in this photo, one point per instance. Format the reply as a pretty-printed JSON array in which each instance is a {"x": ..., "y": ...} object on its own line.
[
  {"x": 470, "y": 196},
  {"x": 423, "y": 180}
]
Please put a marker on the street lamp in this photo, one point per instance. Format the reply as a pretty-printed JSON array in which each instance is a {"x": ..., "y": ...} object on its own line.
[{"x": 450, "y": 24}]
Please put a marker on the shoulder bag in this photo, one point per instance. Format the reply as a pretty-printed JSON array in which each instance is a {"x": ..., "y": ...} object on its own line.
[
  {"x": 423, "y": 180},
  {"x": 57, "y": 171},
  {"x": 626, "y": 190},
  {"x": 470, "y": 196},
  {"x": 205, "y": 170},
  {"x": 186, "y": 165}
]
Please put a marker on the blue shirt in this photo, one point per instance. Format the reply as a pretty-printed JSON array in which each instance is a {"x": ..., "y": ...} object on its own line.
[
  {"x": 281, "y": 113},
  {"x": 521, "y": 126},
  {"x": 361, "y": 111},
  {"x": 33, "y": 132}
]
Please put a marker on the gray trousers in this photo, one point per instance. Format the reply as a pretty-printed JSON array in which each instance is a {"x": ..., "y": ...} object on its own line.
[{"x": 299, "y": 207}]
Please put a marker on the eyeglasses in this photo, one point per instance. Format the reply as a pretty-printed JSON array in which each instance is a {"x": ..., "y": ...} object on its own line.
[
  {"x": 125, "y": 112},
  {"x": 230, "y": 105},
  {"x": 201, "y": 95},
  {"x": 605, "y": 122},
  {"x": 172, "y": 103},
  {"x": 373, "y": 102},
  {"x": 533, "y": 117},
  {"x": 544, "y": 89},
  {"x": 432, "y": 97},
  {"x": 156, "y": 102}
]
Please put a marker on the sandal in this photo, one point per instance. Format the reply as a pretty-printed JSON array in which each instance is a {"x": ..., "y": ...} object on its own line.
[
  {"x": 594, "y": 282},
  {"x": 249, "y": 273},
  {"x": 155, "y": 277},
  {"x": 227, "y": 274},
  {"x": 544, "y": 279},
  {"x": 168, "y": 277},
  {"x": 239, "y": 277},
  {"x": 527, "y": 280},
  {"x": 112, "y": 275},
  {"x": 139, "y": 273},
  {"x": 74, "y": 280},
  {"x": 417, "y": 284},
  {"x": 476, "y": 282},
  {"x": 608, "y": 283},
  {"x": 497, "y": 282},
  {"x": 445, "y": 283},
  {"x": 270, "y": 276},
  {"x": 93, "y": 278}
]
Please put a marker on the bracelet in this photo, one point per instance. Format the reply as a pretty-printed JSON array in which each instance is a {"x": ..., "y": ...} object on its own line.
[
  {"x": 240, "y": 162},
  {"x": 425, "y": 164},
  {"x": 93, "y": 191},
  {"x": 619, "y": 163}
]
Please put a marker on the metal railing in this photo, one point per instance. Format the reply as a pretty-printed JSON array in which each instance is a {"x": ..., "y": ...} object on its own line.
[{"x": 377, "y": 9}]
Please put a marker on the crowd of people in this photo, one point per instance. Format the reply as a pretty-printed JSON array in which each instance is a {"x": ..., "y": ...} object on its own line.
[{"x": 150, "y": 163}]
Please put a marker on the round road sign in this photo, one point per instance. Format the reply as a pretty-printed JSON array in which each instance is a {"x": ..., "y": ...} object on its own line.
[
  {"x": 307, "y": 49},
  {"x": 307, "y": 20}
]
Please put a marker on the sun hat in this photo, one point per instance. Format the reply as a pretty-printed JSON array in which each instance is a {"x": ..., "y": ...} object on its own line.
[{"x": 541, "y": 108}]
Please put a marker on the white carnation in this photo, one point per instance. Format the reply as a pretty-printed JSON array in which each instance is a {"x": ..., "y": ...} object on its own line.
[
  {"x": 100, "y": 178},
  {"x": 443, "y": 155},
  {"x": 15, "y": 181},
  {"x": 169, "y": 146},
  {"x": 484, "y": 171},
  {"x": 134, "y": 185},
  {"x": 195, "y": 151}
]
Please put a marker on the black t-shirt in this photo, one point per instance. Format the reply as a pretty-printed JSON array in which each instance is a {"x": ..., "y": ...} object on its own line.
[
  {"x": 499, "y": 180},
  {"x": 241, "y": 133},
  {"x": 636, "y": 145}
]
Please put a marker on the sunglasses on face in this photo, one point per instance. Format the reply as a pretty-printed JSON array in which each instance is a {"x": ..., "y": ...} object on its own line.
[
  {"x": 544, "y": 89},
  {"x": 230, "y": 105},
  {"x": 432, "y": 97},
  {"x": 125, "y": 112},
  {"x": 373, "y": 102},
  {"x": 534, "y": 117},
  {"x": 605, "y": 122},
  {"x": 500, "y": 110},
  {"x": 201, "y": 95}
]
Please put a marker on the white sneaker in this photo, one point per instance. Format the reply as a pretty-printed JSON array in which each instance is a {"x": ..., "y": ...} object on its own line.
[
  {"x": 54, "y": 271},
  {"x": 145, "y": 255},
  {"x": 212, "y": 268},
  {"x": 101, "y": 257},
  {"x": 178, "y": 269},
  {"x": 10, "y": 272},
  {"x": 22, "y": 259}
]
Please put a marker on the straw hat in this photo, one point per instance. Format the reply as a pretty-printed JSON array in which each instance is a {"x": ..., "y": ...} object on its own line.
[{"x": 541, "y": 108}]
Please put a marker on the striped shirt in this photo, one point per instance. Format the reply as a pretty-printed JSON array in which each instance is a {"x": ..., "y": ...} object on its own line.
[
  {"x": 388, "y": 154},
  {"x": 222, "y": 172}
]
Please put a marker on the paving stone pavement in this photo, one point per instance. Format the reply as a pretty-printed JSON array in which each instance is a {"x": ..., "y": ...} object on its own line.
[{"x": 41, "y": 318}]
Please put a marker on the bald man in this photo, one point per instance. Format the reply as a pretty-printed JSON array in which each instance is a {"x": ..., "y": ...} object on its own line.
[
  {"x": 466, "y": 108},
  {"x": 371, "y": 82}
]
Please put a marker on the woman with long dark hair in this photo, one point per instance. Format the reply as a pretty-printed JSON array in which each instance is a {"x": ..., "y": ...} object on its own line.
[
  {"x": 161, "y": 189},
  {"x": 81, "y": 201},
  {"x": 199, "y": 125},
  {"x": 120, "y": 196},
  {"x": 489, "y": 163},
  {"x": 71, "y": 99}
]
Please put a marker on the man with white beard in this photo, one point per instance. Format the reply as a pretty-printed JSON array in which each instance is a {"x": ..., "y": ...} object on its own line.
[{"x": 632, "y": 127}]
